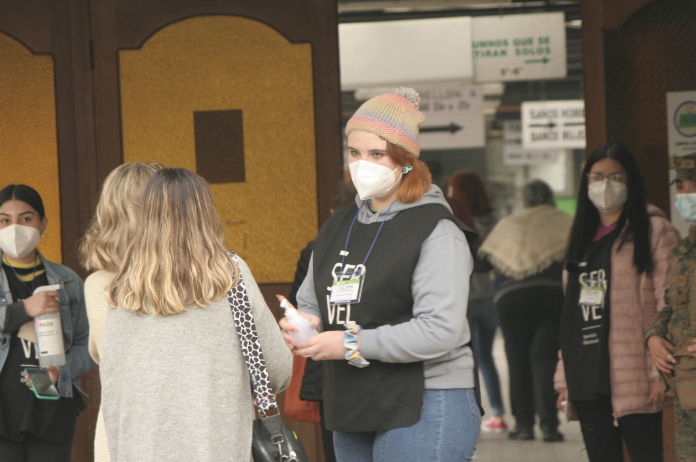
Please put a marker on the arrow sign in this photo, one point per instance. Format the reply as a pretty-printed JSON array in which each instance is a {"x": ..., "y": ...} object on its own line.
[
  {"x": 543, "y": 60},
  {"x": 553, "y": 124},
  {"x": 547, "y": 125},
  {"x": 452, "y": 128}
]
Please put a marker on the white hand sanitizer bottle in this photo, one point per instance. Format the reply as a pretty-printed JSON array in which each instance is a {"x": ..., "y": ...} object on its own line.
[
  {"x": 304, "y": 327},
  {"x": 49, "y": 335}
]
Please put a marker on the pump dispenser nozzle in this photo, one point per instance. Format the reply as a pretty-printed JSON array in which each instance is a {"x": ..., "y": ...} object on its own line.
[{"x": 303, "y": 326}]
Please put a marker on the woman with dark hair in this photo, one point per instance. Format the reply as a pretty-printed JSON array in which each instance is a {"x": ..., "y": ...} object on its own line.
[
  {"x": 618, "y": 265},
  {"x": 33, "y": 429},
  {"x": 527, "y": 250},
  {"x": 468, "y": 186}
]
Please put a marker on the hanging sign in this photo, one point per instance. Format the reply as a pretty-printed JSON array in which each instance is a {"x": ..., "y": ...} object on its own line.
[
  {"x": 515, "y": 154},
  {"x": 519, "y": 47},
  {"x": 409, "y": 52},
  {"x": 681, "y": 122},
  {"x": 553, "y": 124},
  {"x": 453, "y": 117}
]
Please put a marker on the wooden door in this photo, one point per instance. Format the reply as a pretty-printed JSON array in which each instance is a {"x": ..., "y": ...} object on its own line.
[
  {"x": 95, "y": 83},
  {"x": 45, "y": 139}
]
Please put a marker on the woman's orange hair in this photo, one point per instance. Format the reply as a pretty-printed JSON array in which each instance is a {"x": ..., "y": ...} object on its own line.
[
  {"x": 461, "y": 211},
  {"x": 469, "y": 186},
  {"x": 415, "y": 183}
]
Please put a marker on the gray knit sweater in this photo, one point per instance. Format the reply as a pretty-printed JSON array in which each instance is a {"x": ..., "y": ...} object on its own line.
[{"x": 176, "y": 388}]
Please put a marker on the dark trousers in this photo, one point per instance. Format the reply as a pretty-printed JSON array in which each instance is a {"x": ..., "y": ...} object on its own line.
[
  {"x": 641, "y": 432},
  {"x": 530, "y": 319},
  {"x": 34, "y": 449}
]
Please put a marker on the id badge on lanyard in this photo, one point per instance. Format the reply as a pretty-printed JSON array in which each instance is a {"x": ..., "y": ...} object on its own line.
[
  {"x": 592, "y": 296},
  {"x": 347, "y": 290}
]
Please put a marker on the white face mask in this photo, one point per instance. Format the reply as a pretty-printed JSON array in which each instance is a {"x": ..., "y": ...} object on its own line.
[
  {"x": 372, "y": 180},
  {"x": 607, "y": 195},
  {"x": 18, "y": 241},
  {"x": 685, "y": 204}
]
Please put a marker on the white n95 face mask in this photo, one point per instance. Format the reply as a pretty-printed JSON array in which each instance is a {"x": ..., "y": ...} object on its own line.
[
  {"x": 607, "y": 195},
  {"x": 372, "y": 180},
  {"x": 685, "y": 204},
  {"x": 18, "y": 241}
]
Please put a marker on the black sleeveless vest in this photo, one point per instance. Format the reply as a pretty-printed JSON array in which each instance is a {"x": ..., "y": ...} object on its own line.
[{"x": 381, "y": 396}]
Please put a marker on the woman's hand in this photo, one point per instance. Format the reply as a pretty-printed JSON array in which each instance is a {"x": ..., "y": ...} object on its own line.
[
  {"x": 52, "y": 371},
  {"x": 42, "y": 303},
  {"x": 327, "y": 345},
  {"x": 659, "y": 351},
  {"x": 562, "y": 401},
  {"x": 657, "y": 396},
  {"x": 286, "y": 328}
]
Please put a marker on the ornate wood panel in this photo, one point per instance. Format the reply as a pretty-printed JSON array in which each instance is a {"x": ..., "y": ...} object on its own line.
[{"x": 85, "y": 40}]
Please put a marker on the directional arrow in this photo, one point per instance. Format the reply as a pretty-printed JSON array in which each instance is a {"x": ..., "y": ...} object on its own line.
[
  {"x": 452, "y": 128},
  {"x": 547, "y": 125},
  {"x": 543, "y": 60}
]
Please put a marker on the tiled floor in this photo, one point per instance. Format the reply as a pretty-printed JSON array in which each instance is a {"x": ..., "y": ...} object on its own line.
[{"x": 494, "y": 447}]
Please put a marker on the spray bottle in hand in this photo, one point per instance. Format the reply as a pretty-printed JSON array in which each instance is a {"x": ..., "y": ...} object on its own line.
[{"x": 303, "y": 326}]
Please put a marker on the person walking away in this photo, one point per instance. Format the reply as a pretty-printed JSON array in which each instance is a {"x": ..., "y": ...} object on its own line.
[
  {"x": 527, "y": 250},
  {"x": 671, "y": 337},
  {"x": 618, "y": 265},
  {"x": 468, "y": 186}
]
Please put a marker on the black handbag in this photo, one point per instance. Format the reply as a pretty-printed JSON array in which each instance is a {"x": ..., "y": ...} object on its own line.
[
  {"x": 284, "y": 446},
  {"x": 273, "y": 441}
]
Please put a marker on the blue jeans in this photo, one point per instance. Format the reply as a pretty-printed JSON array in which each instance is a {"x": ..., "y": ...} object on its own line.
[
  {"x": 484, "y": 324},
  {"x": 447, "y": 431}
]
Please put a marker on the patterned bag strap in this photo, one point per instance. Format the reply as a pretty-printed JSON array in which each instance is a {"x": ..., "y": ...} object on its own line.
[{"x": 251, "y": 348}]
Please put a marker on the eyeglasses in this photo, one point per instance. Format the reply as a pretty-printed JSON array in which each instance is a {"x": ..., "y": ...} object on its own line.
[{"x": 594, "y": 177}]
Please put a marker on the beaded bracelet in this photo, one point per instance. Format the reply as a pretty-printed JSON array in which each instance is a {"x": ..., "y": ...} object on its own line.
[{"x": 350, "y": 341}]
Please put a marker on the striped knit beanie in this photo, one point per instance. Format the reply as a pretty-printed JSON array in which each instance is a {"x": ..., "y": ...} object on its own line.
[{"x": 392, "y": 116}]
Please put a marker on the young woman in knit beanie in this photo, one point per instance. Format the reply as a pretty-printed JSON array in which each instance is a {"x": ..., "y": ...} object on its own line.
[{"x": 387, "y": 287}]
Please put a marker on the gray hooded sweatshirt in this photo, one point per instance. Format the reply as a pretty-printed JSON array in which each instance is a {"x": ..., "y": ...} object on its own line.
[{"x": 439, "y": 330}]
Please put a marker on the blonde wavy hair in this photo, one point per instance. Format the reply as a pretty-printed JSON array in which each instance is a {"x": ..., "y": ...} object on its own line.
[
  {"x": 111, "y": 229},
  {"x": 179, "y": 258}
]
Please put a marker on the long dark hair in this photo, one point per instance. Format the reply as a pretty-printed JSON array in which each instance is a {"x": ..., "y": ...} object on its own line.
[{"x": 634, "y": 221}]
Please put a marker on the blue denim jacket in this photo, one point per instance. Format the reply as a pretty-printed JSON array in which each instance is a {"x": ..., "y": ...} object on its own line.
[{"x": 73, "y": 316}]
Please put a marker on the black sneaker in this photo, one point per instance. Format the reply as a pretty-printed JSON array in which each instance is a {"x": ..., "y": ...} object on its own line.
[
  {"x": 552, "y": 435},
  {"x": 521, "y": 433}
]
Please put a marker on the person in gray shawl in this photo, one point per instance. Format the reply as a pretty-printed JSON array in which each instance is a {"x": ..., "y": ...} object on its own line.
[{"x": 527, "y": 250}]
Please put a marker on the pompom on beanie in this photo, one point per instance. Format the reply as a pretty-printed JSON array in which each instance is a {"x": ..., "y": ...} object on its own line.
[{"x": 392, "y": 116}]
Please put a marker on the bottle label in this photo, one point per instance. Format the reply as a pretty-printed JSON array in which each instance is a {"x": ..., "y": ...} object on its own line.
[{"x": 49, "y": 336}]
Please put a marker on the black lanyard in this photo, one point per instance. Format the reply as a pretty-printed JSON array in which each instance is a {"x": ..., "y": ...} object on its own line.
[{"x": 33, "y": 281}]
